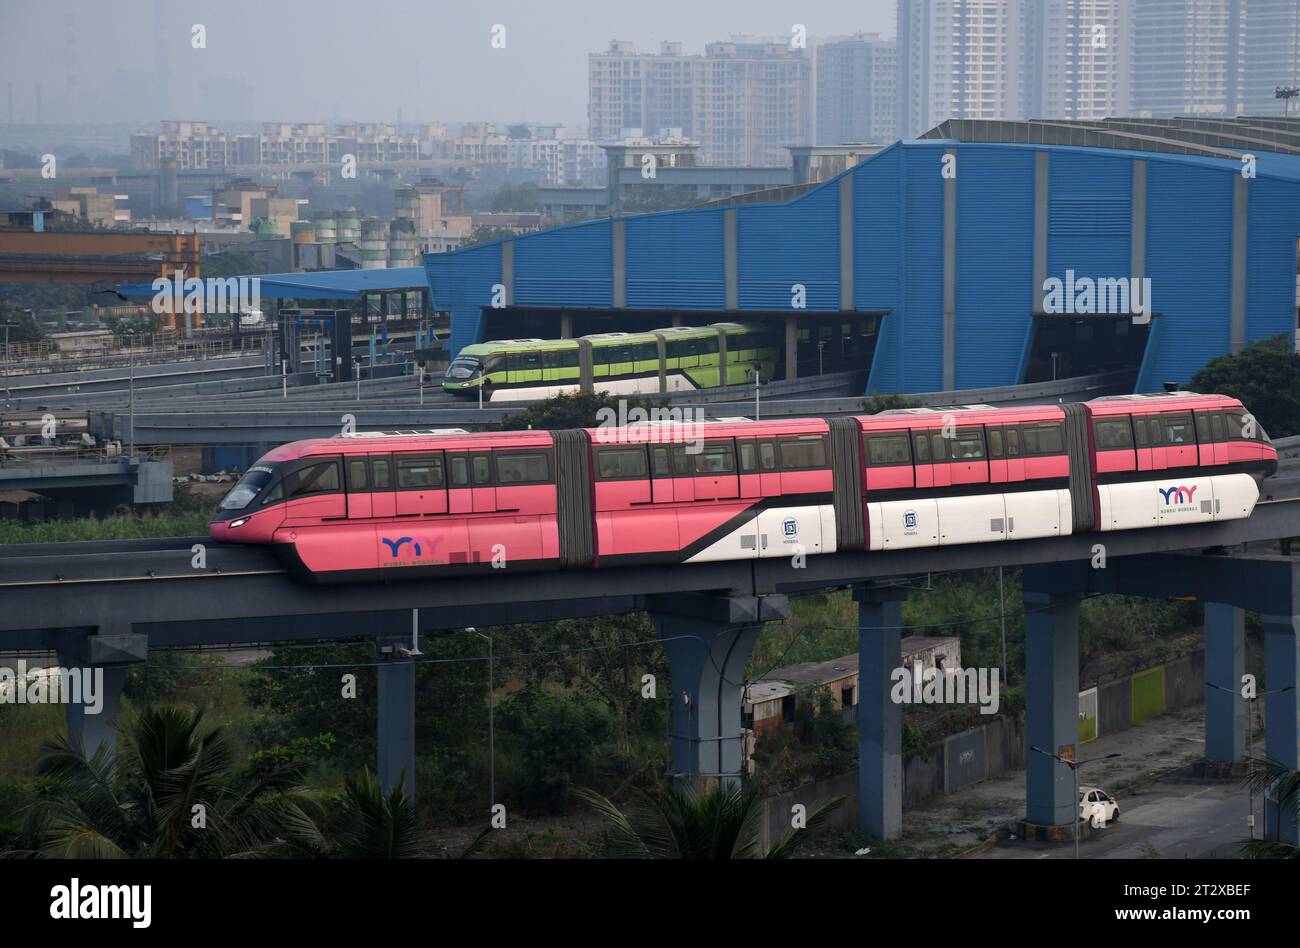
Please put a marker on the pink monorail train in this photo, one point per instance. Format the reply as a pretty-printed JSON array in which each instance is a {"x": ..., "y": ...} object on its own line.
[{"x": 386, "y": 506}]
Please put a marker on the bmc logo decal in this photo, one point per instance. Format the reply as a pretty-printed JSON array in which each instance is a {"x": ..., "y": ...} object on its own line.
[
  {"x": 791, "y": 527},
  {"x": 395, "y": 545},
  {"x": 1177, "y": 495},
  {"x": 909, "y": 520}
]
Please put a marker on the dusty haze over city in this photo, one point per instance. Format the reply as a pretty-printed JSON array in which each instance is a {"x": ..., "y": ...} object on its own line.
[{"x": 132, "y": 60}]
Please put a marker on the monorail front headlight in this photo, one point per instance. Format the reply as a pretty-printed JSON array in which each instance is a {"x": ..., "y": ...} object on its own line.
[{"x": 237, "y": 523}]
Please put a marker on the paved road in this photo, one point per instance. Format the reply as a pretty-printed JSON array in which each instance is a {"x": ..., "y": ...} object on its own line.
[{"x": 1173, "y": 818}]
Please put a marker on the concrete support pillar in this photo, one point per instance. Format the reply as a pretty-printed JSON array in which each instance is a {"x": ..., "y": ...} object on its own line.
[
  {"x": 89, "y": 729},
  {"x": 566, "y": 325},
  {"x": 1225, "y": 663},
  {"x": 100, "y": 663},
  {"x": 1051, "y": 697},
  {"x": 396, "y": 715},
  {"x": 383, "y": 307},
  {"x": 1282, "y": 716},
  {"x": 791, "y": 348},
  {"x": 708, "y": 641},
  {"x": 880, "y": 718}
]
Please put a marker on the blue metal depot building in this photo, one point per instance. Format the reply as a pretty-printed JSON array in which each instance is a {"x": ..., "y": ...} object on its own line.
[{"x": 926, "y": 264}]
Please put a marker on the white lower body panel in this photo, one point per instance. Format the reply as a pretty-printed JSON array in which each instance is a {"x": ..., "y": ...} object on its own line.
[
  {"x": 776, "y": 532},
  {"x": 977, "y": 518},
  {"x": 1178, "y": 500},
  {"x": 645, "y": 385}
]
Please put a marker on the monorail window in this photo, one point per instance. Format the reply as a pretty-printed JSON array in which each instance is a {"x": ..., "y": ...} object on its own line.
[
  {"x": 1140, "y": 436},
  {"x": 716, "y": 458},
  {"x": 617, "y": 463},
  {"x": 1044, "y": 439},
  {"x": 662, "y": 463},
  {"x": 380, "y": 474},
  {"x": 995, "y": 442},
  {"x": 888, "y": 449},
  {"x": 1178, "y": 429},
  {"x": 921, "y": 444},
  {"x": 1013, "y": 442},
  {"x": 968, "y": 445},
  {"x": 1243, "y": 427},
  {"x": 1217, "y": 428},
  {"x": 748, "y": 457},
  {"x": 646, "y": 352},
  {"x": 459, "y": 471},
  {"x": 767, "y": 456},
  {"x": 242, "y": 494},
  {"x": 569, "y": 359},
  {"x": 417, "y": 472},
  {"x": 709, "y": 346},
  {"x": 358, "y": 471},
  {"x": 803, "y": 454},
  {"x": 522, "y": 469},
  {"x": 1113, "y": 434},
  {"x": 1203, "y": 428},
  {"x": 322, "y": 478},
  {"x": 482, "y": 470}
]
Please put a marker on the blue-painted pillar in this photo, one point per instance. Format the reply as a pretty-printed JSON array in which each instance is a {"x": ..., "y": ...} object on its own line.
[
  {"x": 708, "y": 641},
  {"x": 880, "y": 718},
  {"x": 1281, "y": 715},
  {"x": 396, "y": 716},
  {"x": 707, "y": 662},
  {"x": 1225, "y": 664},
  {"x": 1051, "y": 697}
]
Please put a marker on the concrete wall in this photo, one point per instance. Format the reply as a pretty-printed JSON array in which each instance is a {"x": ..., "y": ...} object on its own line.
[{"x": 979, "y": 753}]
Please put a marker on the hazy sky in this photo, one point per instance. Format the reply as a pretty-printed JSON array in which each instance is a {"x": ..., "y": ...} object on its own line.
[{"x": 294, "y": 60}]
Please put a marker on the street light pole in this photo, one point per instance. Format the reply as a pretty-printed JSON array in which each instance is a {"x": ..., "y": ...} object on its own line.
[
  {"x": 1074, "y": 772},
  {"x": 1250, "y": 746},
  {"x": 492, "y": 752}
]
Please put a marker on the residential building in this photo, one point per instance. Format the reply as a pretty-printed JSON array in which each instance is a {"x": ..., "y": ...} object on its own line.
[
  {"x": 744, "y": 100},
  {"x": 857, "y": 90}
]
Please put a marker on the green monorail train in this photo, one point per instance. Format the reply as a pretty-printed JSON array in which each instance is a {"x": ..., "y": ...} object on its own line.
[{"x": 620, "y": 363}]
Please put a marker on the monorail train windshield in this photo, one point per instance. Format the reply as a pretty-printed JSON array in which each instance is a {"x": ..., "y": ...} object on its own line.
[
  {"x": 465, "y": 367},
  {"x": 253, "y": 482}
]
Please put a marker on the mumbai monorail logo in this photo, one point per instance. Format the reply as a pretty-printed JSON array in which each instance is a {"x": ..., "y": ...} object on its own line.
[
  {"x": 394, "y": 546},
  {"x": 909, "y": 520},
  {"x": 791, "y": 527},
  {"x": 1104, "y": 296},
  {"x": 1178, "y": 495},
  {"x": 208, "y": 295},
  {"x": 658, "y": 425}
]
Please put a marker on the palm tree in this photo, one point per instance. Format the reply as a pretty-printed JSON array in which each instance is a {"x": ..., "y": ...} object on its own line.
[
  {"x": 377, "y": 826},
  {"x": 697, "y": 821},
  {"x": 1275, "y": 780},
  {"x": 172, "y": 793}
]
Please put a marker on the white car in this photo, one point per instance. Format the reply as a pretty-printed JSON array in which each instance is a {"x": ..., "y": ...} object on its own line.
[{"x": 1097, "y": 806}]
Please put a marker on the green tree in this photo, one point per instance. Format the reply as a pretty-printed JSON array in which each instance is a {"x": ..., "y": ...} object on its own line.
[
  {"x": 877, "y": 402},
  {"x": 1282, "y": 787},
  {"x": 142, "y": 802},
  {"x": 22, "y": 326},
  {"x": 377, "y": 825},
  {"x": 572, "y": 410},
  {"x": 1265, "y": 376},
  {"x": 485, "y": 235},
  {"x": 699, "y": 822}
]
